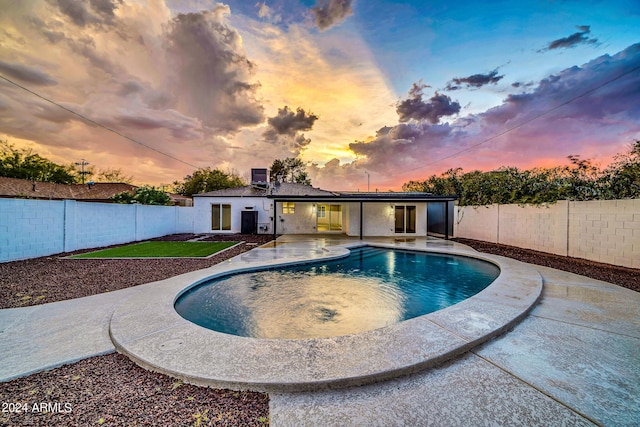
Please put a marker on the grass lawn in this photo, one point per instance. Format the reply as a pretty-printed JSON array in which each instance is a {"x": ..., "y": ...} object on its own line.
[{"x": 160, "y": 250}]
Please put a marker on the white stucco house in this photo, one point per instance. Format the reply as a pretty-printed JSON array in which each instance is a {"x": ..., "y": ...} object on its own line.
[{"x": 290, "y": 208}]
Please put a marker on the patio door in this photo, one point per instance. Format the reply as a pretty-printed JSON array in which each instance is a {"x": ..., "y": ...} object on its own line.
[
  {"x": 329, "y": 217},
  {"x": 405, "y": 219}
]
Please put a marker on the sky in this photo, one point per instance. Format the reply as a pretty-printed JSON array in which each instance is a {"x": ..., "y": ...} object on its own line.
[{"x": 369, "y": 94}]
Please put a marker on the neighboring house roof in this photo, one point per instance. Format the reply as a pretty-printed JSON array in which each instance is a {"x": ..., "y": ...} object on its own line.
[
  {"x": 281, "y": 189},
  {"x": 96, "y": 192},
  {"x": 13, "y": 187}
]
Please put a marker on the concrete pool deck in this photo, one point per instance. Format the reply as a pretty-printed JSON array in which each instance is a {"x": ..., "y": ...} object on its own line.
[{"x": 575, "y": 359}]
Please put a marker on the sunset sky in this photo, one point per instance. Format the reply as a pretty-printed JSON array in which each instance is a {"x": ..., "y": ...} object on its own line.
[{"x": 401, "y": 90}]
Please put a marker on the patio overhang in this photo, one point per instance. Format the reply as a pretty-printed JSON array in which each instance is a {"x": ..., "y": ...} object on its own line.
[{"x": 362, "y": 198}]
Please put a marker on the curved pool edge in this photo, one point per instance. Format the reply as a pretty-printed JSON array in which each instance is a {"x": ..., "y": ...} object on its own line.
[{"x": 149, "y": 331}]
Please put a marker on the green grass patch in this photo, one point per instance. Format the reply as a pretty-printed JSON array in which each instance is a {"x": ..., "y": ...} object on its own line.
[{"x": 160, "y": 250}]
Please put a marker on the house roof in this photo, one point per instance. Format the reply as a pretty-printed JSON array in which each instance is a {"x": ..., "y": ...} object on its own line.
[
  {"x": 369, "y": 197},
  {"x": 285, "y": 189},
  {"x": 288, "y": 191}
]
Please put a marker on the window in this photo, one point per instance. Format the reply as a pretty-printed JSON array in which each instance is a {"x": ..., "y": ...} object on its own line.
[
  {"x": 322, "y": 211},
  {"x": 288, "y": 207},
  {"x": 221, "y": 217},
  {"x": 405, "y": 219}
]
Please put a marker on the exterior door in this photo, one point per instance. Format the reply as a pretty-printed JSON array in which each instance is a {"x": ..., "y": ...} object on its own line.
[
  {"x": 405, "y": 219},
  {"x": 329, "y": 217}
]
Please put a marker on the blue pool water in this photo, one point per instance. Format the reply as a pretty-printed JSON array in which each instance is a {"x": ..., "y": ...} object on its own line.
[{"x": 370, "y": 289}]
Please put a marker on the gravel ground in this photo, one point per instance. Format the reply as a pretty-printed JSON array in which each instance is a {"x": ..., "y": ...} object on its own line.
[
  {"x": 112, "y": 391},
  {"x": 55, "y": 278},
  {"x": 626, "y": 277}
]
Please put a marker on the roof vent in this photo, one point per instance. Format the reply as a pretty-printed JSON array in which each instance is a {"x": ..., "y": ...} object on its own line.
[{"x": 259, "y": 177}]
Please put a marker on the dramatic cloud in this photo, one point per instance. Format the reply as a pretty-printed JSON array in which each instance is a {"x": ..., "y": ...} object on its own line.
[
  {"x": 328, "y": 13},
  {"x": 284, "y": 129},
  {"x": 560, "y": 116},
  {"x": 416, "y": 108},
  {"x": 84, "y": 13},
  {"x": 393, "y": 145},
  {"x": 213, "y": 73},
  {"x": 518, "y": 85},
  {"x": 393, "y": 150},
  {"x": 475, "y": 80},
  {"x": 178, "y": 83},
  {"x": 336, "y": 77},
  {"x": 26, "y": 74},
  {"x": 288, "y": 123},
  {"x": 613, "y": 76},
  {"x": 179, "y": 125},
  {"x": 573, "y": 40},
  {"x": 200, "y": 85},
  {"x": 265, "y": 12}
]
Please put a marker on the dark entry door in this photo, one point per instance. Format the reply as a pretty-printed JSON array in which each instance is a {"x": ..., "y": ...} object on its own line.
[
  {"x": 249, "y": 222},
  {"x": 440, "y": 219}
]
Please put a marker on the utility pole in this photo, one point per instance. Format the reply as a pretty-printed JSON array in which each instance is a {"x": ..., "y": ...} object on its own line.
[
  {"x": 368, "y": 182},
  {"x": 83, "y": 173}
]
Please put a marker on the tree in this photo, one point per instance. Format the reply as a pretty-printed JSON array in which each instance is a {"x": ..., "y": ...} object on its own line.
[
  {"x": 623, "y": 176},
  {"x": 583, "y": 180},
  {"x": 579, "y": 181},
  {"x": 112, "y": 175},
  {"x": 25, "y": 164},
  {"x": 204, "y": 180},
  {"x": 290, "y": 169},
  {"x": 146, "y": 195}
]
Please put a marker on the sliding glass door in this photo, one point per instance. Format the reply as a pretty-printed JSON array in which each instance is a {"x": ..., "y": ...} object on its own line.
[
  {"x": 405, "y": 219},
  {"x": 329, "y": 217}
]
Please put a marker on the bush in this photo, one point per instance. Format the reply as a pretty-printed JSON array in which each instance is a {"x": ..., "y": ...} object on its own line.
[{"x": 144, "y": 195}]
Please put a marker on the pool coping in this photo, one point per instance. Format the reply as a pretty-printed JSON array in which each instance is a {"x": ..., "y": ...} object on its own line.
[{"x": 149, "y": 331}]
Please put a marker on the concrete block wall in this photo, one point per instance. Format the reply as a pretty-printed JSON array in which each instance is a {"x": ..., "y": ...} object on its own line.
[
  {"x": 605, "y": 231},
  {"x": 30, "y": 228},
  {"x": 541, "y": 228},
  {"x": 154, "y": 221},
  {"x": 477, "y": 222},
  {"x": 92, "y": 225},
  {"x": 34, "y": 228},
  {"x": 184, "y": 220}
]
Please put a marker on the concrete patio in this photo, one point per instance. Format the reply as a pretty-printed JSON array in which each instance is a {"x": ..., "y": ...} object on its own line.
[{"x": 574, "y": 360}]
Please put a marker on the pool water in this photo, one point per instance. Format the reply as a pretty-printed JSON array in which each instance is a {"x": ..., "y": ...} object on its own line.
[{"x": 371, "y": 288}]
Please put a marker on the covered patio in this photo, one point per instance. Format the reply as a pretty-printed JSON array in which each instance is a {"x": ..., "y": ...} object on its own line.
[{"x": 369, "y": 214}]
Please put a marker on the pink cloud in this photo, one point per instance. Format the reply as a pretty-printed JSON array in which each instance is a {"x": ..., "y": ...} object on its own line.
[{"x": 589, "y": 110}]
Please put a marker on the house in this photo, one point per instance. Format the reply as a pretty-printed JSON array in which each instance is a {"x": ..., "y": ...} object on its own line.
[
  {"x": 90, "y": 192},
  {"x": 289, "y": 208}
]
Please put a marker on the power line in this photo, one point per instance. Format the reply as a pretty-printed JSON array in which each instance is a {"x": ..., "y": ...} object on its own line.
[
  {"x": 519, "y": 125},
  {"x": 93, "y": 122}
]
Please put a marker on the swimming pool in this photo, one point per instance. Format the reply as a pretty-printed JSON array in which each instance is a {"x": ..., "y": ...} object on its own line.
[
  {"x": 370, "y": 289},
  {"x": 147, "y": 328}
]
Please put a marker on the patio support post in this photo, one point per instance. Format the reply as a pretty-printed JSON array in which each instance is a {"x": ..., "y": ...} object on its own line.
[
  {"x": 361, "y": 216},
  {"x": 275, "y": 206},
  {"x": 446, "y": 220}
]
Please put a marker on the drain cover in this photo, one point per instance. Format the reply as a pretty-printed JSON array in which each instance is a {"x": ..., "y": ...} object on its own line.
[{"x": 171, "y": 345}]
